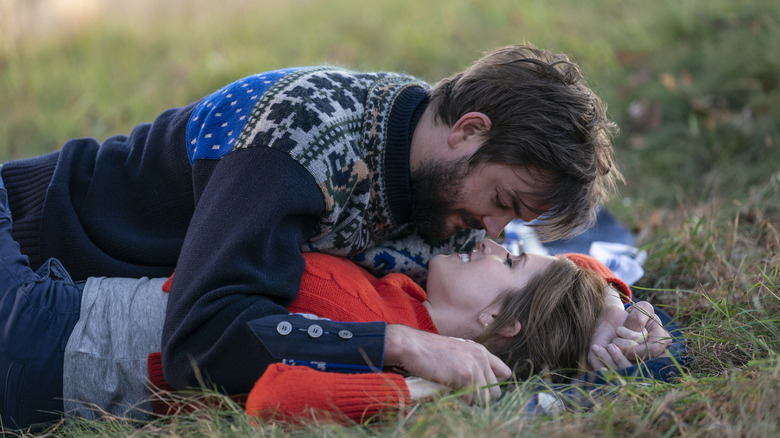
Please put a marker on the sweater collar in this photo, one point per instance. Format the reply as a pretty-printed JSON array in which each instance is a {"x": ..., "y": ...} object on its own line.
[{"x": 404, "y": 115}]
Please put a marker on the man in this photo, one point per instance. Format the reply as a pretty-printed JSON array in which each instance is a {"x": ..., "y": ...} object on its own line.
[{"x": 375, "y": 166}]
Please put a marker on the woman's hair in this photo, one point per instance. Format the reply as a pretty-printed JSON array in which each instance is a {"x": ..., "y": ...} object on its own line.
[
  {"x": 558, "y": 311},
  {"x": 543, "y": 119}
]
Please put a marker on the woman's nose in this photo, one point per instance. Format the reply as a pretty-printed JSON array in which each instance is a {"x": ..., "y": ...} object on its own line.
[{"x": 489, "y": 246}]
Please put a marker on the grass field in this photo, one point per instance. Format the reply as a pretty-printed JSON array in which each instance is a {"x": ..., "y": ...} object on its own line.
[{"x": 694, "y": 85}]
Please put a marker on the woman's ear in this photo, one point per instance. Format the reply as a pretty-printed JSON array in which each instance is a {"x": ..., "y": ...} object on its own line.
[{"x": 511, "y": 330}]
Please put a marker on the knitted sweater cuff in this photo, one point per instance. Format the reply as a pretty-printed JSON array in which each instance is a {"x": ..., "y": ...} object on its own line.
[
  {"x": 298, "y": 393},
  {"x": 27, "y": 181}
]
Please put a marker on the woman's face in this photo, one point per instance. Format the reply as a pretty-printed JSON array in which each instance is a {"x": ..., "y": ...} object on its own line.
[{"x": 462, "y": 288}]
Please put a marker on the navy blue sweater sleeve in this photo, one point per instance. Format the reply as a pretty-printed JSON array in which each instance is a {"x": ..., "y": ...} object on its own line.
[
  {"x": 120, "y": 208},
  {"x": 241, "y": 263}
]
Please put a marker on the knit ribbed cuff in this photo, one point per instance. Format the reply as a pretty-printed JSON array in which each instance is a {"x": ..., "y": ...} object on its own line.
[
  {"x": 27, "y": 182},
  {"x": 298, "y": 393}
]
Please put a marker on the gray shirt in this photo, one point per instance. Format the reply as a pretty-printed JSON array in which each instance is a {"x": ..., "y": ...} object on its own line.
[{"x": 105, "y": 369}]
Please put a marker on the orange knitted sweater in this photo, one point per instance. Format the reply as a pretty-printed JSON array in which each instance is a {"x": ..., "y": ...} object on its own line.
[{"x": 338, "y": 289}]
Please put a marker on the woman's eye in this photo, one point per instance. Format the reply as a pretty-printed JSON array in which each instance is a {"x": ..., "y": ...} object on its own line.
[{"x": 509, "y": 260}]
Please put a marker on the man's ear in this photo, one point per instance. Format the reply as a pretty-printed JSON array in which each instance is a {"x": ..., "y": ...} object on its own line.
[{"x": 470, "y": 127}]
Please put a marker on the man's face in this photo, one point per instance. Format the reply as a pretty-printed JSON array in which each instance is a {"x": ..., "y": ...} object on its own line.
[{"x": 451, "y": 196}]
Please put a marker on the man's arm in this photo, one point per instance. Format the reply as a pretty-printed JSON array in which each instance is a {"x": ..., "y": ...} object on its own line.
[
  {"x": 453, "y": 362},
  {"x": 241, "y": 266},
  {"x": 241, "y": 263}
]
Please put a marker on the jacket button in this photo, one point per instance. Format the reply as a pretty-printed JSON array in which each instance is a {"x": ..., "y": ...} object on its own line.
[
  {"x": 284, "y": 328},
  {"x": 315, "y": 331},
  {"x": 345, "y": 334}
]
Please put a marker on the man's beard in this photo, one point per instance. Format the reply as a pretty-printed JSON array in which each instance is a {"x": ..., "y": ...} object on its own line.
[{"x": 436, "y": 187}]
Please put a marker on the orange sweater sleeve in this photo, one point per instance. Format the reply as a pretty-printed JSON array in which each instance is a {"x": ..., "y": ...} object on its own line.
[
  {"x": 588, "y": 262},
  {"x": 295, "y": 393}
]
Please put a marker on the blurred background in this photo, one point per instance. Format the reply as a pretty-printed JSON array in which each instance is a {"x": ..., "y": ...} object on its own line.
[{"x": 693, "y": 83}]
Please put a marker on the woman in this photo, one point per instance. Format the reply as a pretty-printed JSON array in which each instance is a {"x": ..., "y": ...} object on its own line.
[
  {"x": 535, "y": 312},
  {"x": 488, "y": 296}
]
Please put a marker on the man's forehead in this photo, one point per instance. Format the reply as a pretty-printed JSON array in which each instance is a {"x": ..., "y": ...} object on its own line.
[{"x": 524, "y": 185}]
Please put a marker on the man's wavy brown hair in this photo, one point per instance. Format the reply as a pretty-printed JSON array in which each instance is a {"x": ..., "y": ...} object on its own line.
[{"x": 545, "y": 120}]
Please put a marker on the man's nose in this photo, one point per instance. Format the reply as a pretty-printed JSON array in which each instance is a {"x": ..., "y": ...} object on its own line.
[{"x": 495, "y": 224}]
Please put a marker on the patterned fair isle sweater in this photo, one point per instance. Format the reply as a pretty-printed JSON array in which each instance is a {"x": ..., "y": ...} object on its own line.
[{"x": 230, "y": 190}]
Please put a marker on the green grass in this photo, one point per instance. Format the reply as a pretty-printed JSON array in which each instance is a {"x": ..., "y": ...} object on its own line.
[{"x": 701, "y": 153}]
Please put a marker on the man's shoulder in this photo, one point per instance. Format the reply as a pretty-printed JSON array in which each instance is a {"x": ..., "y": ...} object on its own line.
[{"x": 339, "y": 77}]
